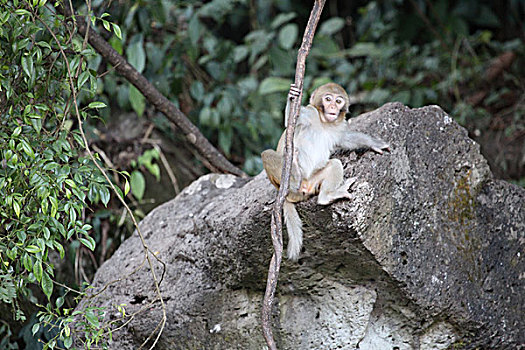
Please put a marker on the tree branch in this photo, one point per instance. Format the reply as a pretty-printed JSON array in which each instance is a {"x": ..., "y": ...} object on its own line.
[
  {"x": 276, "y": 224},
  {"x": 192, "y": 133}
]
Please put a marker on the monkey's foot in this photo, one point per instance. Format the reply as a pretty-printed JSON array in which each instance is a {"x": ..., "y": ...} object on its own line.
[
  {"x": 308, "y": 188},
  {"x": 349, "y": 182},
  {"x": 326, "y": 198}
]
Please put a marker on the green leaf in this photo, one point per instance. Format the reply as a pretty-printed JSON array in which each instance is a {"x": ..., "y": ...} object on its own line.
[
  {"x": 60, "y": 249},
  {"x": 22, "y": 12},
  {"x": 72, "y": 215},
  {"x": 105, "y": 23},
  {"x": 88, "y": 242},
  {"x": 194, "y": 30},
  {"x": 137, "y": 100},
  {"x": 197, "y": 90},
  {"x": 35, "y": 328},
  {"x": 104, "y": 195},
  {"x": 288, "y": 35},
  {"x": 274, "y": 84},
  {"x": 27, "y": 65},
  {"x": 154, "y": 169},
  {"x": 116, "y": 30},
  {"x": 37, "y": 125},
  {"x": 92, "y": 318},
  {"x": 325, "y": 47},
  {"x": 240, "y": 53},
  {"x": 331, "y": 26},
  {"x": 27, "y": 148},
  {"x": 47, "y": 233},
  {"x": 282, "y": 18},
  {"x": 28, "y": 263},
  {"x": 364, "y": 50},
  {"x": 205, "y": 116},
  {"x": 378, "y": 96},
  {"x": 215, "y": 118},
  {"x": 21, "y": 236},
  {"x": 60, "y": 302},
  {"x": 68, "y": 342},
  {"x": 17, "y": 131},
  {"x": 83, "y": 77},
  {"x": 225, "y": 106},
  {"x": 37, "y": 270},
  {"x": 47, "y": 284},
  {"x": 71, "y": 183},
  {"x": 138, "y": 184},
  {"x": 54, "y": 205},
  {"x": 97, "y": 104},
  {"x": 126, "y": 187},
  {"x": 16, "y": 208},
  {"x": 32, "y": 249},
  {"x": 282, "y": 61},
  {"x": 225, "y": 140},
  {"x": 136, "y": 54},
  {"x": 51, "y": 166}
]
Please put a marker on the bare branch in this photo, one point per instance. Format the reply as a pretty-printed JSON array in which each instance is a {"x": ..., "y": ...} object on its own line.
[
  {"x": 276, "y": 224},
  {"x": 192, "y": 133}
]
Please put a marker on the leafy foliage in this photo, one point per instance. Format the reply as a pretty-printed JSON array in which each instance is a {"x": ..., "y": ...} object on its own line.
[
  {"x": 45, "y": 180},
  {"x": 229, "y": 69}
]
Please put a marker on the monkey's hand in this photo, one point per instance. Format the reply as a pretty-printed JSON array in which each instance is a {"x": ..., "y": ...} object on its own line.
[
  {"x": 294, "y": 92},
  {"x": 380, "y": 146}
]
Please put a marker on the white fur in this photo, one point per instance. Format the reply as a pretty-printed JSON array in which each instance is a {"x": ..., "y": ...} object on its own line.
[
  {"x": 294, "y": 227},
  {"x": 314, "y": 141}
]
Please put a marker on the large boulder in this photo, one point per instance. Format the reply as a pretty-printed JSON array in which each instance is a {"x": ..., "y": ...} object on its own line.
[{"x": 427, "y": 254}]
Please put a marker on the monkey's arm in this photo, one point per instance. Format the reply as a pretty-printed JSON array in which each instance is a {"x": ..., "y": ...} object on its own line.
[{"x": 352, "y": 140}]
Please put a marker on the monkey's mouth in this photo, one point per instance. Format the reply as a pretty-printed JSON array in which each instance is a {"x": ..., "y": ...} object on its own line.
[{"x": 331, "y": 116}]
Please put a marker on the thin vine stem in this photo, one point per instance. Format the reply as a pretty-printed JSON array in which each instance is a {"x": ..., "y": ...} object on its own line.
[{"x": 276, "y": 223}]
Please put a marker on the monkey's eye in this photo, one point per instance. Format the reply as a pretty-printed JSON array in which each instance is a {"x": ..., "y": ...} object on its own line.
[
  {"x": 328, "y": 98},
  {"x": 338, "y": 101}
]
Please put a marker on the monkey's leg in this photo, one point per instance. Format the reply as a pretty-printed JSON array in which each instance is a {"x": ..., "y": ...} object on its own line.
[
  {"x": 273, "y": 164},
  {"x": 332, "y": 185}
]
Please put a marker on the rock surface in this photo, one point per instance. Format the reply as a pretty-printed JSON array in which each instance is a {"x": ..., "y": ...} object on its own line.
[{"x": 428, "y": 254}]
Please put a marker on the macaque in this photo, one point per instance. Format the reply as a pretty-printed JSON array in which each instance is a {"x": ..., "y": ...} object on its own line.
[{"x": 321, "y": 129}]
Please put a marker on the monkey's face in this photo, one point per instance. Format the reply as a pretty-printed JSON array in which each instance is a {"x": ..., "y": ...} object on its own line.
[{"x": 333, "y": 106}]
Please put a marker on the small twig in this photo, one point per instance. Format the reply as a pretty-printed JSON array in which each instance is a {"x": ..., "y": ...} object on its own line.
[
  {"x": 106, "y": 160},
  {"x": 147, "y": 134},
  {"x": 166, "y": 164},
  {"x": 436, "y": 15},
  {"x": 276, "y": 224},
  {"x": 453, "y": 68},
  {"x": 153, "y": 95},
  {"x": 429, "y": 25}
]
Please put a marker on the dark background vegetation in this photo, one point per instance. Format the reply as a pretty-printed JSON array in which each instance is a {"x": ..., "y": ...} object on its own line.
[{"x": 227, "y": 64}]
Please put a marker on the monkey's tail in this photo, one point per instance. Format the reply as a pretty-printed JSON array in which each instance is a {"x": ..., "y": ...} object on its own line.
[{"x": 295, "y": 230}]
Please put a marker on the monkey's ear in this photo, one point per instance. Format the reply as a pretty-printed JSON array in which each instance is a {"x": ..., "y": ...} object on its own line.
[{"x": 313, "y": 97}]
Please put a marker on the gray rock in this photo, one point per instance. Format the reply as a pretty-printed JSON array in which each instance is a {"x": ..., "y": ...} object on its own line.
[{"x": 428, "y": 254}]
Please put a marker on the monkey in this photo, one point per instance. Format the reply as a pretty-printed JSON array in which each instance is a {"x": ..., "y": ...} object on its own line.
[{"x": 320, "y": 130}]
